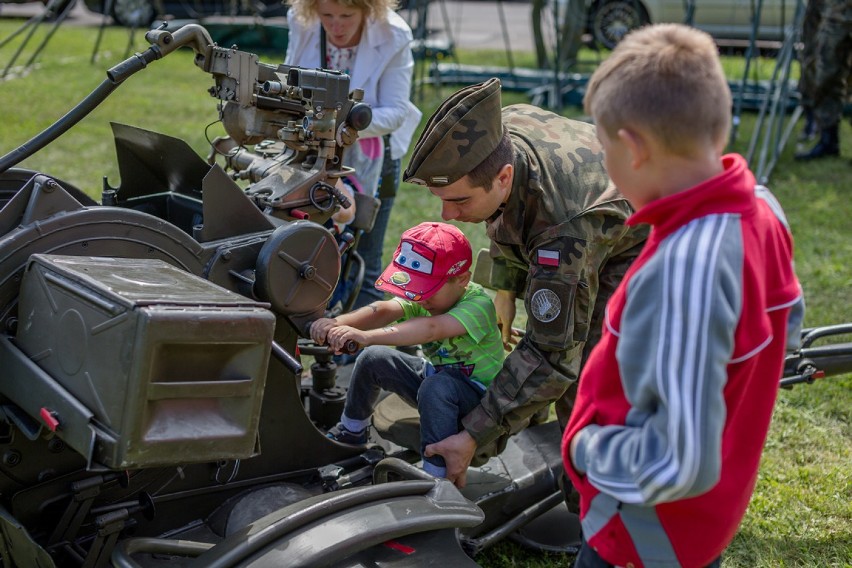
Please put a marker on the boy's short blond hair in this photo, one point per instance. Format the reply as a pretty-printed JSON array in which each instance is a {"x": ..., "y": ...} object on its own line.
[
  {"x": 307, "y": 11},
  {"x": 667, "y": 78}
]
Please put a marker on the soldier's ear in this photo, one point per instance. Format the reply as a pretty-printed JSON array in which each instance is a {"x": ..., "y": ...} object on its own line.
[{"x": 504, "y": 179}]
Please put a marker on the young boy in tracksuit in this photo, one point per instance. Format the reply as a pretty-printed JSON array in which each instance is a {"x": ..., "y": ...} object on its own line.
[{"x": 675, "y": 401}]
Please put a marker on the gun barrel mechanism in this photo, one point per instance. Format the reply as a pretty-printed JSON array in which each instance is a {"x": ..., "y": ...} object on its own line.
[
  {"x": 310, "y": 113},
  {"x": 148, "y": 341}
]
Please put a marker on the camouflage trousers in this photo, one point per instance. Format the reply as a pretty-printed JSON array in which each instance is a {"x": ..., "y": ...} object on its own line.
[
  {"x": 808, "y": 54},
  {"x": 827, "y": 59}
]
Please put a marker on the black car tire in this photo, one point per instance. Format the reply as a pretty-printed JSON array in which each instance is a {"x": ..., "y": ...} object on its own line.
[
  {"x": 133, "y": 13},
  {"x": 58, "y": 7},
  {"x": 611, "y": 20}
]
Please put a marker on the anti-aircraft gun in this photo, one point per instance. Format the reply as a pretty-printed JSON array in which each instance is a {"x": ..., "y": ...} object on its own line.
[
  {"x": 151, "y": 411},
  {"x": 150, "y": 405}
]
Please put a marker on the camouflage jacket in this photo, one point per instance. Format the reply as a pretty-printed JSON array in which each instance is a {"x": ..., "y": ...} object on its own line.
[{"x": 563, "y": 222}]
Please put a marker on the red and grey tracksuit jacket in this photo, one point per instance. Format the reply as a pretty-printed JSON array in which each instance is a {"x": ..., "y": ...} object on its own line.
[{"x": 675, "y": 401}]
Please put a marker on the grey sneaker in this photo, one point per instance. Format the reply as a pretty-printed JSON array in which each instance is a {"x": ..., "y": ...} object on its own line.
[{"x": 340, "y": 434}]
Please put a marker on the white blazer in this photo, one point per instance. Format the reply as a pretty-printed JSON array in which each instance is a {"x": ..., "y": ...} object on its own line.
[{"x": 383, "y": 69}]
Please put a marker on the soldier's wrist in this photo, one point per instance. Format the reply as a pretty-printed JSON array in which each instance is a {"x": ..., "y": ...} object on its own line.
[{"x": 481, "y": 427}]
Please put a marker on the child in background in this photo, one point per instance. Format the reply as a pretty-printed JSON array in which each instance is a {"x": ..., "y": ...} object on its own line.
[
  {"x": 437, "y": 306},
  {"x": 675, "y": 401}
]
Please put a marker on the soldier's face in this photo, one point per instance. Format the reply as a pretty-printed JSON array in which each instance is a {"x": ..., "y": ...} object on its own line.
[{"x": 468, "y": 204}]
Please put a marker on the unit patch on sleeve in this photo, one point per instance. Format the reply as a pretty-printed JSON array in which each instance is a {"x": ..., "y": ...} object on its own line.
[{"x": 545, "y": 305}]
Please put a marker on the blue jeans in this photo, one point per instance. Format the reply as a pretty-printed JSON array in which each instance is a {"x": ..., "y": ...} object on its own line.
[
  {"x": 442, "y": 398},
  {"x": 589, "y": 558},
  {"x": 370, "y": 247}
]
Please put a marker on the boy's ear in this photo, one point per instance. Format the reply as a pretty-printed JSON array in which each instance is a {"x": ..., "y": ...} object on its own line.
[
  {"x": 464, "y": 279},
  {"x": 636, "y": 144}
]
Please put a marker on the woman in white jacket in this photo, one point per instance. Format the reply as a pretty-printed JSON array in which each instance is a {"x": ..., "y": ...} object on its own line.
[{"x": 370, "y": 42}]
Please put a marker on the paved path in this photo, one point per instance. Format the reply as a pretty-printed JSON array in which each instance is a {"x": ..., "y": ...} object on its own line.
[
  {"x": 470, "y": 24},
  {"x": 478, "y": 24}
]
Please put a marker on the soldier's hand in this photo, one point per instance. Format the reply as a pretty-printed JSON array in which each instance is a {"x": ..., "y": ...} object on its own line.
[
  {"x": 457, "y": 450},
  {"x": 504, "y": 303}
]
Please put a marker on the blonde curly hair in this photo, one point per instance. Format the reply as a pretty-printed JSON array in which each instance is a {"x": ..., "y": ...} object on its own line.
[{"x": 306, "y": 11}]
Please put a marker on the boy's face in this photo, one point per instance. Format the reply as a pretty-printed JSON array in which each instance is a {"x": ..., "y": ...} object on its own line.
[
  {"x": 644, "y": 168},
  {"x": 618, "y": 161},
  {"x": 447, "y": 296}
]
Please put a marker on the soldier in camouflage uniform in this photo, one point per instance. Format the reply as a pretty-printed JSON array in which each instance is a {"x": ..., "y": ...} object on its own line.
[
  {"x": 825, "y": 77},
  {"x": 807, "y": 65},
  {"x": 556, "y": 223}
]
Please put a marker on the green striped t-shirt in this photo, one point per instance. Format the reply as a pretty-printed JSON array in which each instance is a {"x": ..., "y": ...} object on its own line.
[{"x": 478, "y": 353}]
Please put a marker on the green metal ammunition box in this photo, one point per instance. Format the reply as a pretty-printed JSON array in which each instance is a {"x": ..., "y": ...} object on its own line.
[{"x": 141, "y": 363}]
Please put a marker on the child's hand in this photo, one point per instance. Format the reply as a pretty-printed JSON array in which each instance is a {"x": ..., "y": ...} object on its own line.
[
  {"x": 320, "y": 328},
  {"x": 341, "y": 335},
  {"x": 572, "y": 448}
]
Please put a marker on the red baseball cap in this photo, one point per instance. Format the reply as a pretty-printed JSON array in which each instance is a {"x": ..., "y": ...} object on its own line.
[{"x": 427, "y": 256}]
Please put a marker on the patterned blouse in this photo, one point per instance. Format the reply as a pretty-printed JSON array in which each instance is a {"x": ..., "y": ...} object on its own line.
[{"x": 340, "y": 58}]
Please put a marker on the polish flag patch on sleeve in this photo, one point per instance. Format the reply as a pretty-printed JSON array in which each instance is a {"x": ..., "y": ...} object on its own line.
[{"x": 548, "y": 257}]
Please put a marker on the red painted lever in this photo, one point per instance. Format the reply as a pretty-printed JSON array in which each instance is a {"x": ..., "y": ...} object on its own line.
[{"x": 50, "y": 417}]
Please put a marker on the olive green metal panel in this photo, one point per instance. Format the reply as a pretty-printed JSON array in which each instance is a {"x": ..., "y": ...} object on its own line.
[
  {"x": 17, "y": 548},
  {"x": 171, "y": 367},
  {"x": 482, "y": 268},
  {"x": 150, "y": 162}
]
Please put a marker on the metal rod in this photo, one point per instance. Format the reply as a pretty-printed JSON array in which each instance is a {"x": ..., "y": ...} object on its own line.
[
  {"x": 15, "y": 33},
  {"x": 290, "y": 362},
  {"x": 162, "y": 43},
  {"x": 750, "y": 51},
  {"x": 107, "y": 7},
  {"x": 505, "y": 29},
  {"x": 39, "y": 19},
  {"x": 59, "y": 19},
  {"x": 59, "y": 127},
  {"x": 524, "y": 517},
  {"x": 769, "y": 130}
]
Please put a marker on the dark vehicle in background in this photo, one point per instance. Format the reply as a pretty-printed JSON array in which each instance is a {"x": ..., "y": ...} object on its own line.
[
  {"x": 55, "y": 6},
  {"x": 141, "y": 13},
  {"x": 725, "y": 20}
]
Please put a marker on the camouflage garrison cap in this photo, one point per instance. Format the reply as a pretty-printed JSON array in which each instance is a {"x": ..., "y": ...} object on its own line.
[{"x": 463, "y": 132}]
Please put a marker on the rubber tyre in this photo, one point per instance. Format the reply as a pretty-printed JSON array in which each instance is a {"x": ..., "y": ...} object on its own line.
[
  {"x": 133, "y": 13},
  {"x": 611, "y": 20}
]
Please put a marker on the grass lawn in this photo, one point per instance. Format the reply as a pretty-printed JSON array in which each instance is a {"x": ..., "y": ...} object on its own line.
[{"x": 801, "y": 513}]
